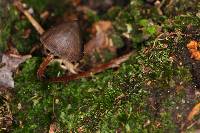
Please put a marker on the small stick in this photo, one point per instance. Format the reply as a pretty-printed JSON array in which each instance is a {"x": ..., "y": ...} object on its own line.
[
  {"x": 35, "y": 24},
  {"x": 99, "y": 68}
]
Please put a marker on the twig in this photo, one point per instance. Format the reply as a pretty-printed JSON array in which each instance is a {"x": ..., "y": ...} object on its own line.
[
  {"x": 99, "y": 68},
  {"x": 35, "y": 24}
]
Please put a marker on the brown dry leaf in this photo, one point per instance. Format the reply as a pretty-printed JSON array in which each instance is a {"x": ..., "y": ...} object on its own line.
[
  {"x": 192, "y": 46},
  {"x": 101, "y": 26},
  {"x": 100, "y": 40},
  {"x": 10, "y": 64},
  {"x": 195, "y": 111}
]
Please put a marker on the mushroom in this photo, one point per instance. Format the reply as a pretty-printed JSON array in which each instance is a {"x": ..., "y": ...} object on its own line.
[{"x": 62, "y": 41}]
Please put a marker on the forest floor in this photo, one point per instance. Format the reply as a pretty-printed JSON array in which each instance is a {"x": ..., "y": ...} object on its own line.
[{"x": 153, "y": 91}]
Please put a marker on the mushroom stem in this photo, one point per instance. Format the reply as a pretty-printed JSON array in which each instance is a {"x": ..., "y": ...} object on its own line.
[
  {"x": 97, "y": 69},
  {"x": 35, "y": 24},
  {"x": 43, "y": 66}
]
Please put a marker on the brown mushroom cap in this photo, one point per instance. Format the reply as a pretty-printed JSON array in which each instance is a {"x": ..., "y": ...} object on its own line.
[{"x": 64, "y": 41}]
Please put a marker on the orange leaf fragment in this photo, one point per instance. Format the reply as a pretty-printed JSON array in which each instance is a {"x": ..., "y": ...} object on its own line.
[
  {"x": 195, "y": 54},
  {"x": 193, "y": 49},
  {"x": 195, "y": 111},
  {"x": 192, "y": 45}
]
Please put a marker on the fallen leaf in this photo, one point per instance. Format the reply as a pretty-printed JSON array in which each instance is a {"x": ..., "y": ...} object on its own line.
[
  {"x": 100, "y": 39},
  {"x": 98, "y": 43},
  {"x": 11, "y": 63},
  {"x": 195, "y": 111}
]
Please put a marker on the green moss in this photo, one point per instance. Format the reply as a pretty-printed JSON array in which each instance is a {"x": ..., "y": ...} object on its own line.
[
  {"x": 111, "y": 101},
  {"x": 95, "y": 104},
  {"x": 8, "y": 18}
]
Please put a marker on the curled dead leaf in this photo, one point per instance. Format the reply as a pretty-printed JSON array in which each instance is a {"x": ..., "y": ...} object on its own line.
[{"x": 194, "y": 112}]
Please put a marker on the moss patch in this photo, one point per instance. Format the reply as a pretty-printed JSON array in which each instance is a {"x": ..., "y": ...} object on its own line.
[{"x": 148, "y": 93}]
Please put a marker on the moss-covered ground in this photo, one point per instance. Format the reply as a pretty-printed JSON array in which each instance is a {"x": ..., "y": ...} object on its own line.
[{"x": 151, "y": 92}]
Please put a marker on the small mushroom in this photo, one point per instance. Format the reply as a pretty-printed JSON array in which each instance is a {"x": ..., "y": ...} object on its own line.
[{"x": 62, "y": 41}]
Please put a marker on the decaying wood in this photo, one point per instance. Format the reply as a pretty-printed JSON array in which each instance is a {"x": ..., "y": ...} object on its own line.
[{"x": 99, "y": 68}]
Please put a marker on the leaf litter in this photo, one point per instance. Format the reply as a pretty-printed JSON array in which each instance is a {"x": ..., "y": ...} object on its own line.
[{"x": 10, "y": 64}]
